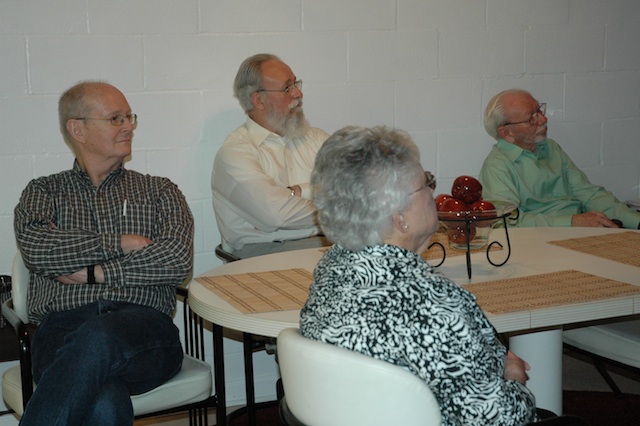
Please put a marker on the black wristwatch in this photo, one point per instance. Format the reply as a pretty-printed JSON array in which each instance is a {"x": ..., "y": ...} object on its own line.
[{"x": 91, "y": 276}]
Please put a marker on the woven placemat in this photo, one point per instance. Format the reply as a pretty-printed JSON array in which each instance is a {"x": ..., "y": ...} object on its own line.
[
  {"x": 435, "y": 252},
  {"x": 546, "y": 290},
  {"x": 262, "y": 291},
  {"x": 623, "y": 247}
]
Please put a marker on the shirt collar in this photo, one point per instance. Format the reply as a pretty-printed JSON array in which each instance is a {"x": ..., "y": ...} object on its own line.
[
  {"x": 513, "y": 152},
  {"x": 84, "y": 177},
  {"x": 259, "y": 134}
]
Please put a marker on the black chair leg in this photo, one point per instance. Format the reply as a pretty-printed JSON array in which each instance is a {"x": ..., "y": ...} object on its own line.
[
  {"x": 279, "y": 390},
  {"x": 248, "y": 344},
  {"x": 597, "y": 362},
  {"x": 218, "y": 360}
]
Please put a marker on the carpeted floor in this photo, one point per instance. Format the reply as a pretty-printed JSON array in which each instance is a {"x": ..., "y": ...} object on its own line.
[
  {"x": 603, "y": 408},
  {"x": 597, "y": 408},
  {"x": 585, "y": 394}
]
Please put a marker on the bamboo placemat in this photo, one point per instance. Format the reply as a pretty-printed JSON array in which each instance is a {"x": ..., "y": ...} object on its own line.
[
  {"x": 546, "y": 290},
  {"x": 435, "y": 252},
  {"x": 262, "y": 291},
  {"x": 623, "y": 247}
]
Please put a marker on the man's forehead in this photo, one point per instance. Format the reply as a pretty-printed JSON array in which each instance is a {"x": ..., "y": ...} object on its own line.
[
  {"x": 517, "y": 102},
  {"x": 106, "y": 98},
  {"x": 276, "y": 70}
]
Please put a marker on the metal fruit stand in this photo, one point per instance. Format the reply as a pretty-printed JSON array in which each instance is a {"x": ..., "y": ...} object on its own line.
[{"x": 467, "y": 223}]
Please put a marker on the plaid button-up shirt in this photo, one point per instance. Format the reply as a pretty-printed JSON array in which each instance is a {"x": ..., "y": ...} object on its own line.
[{"x": 63, "y": 224}]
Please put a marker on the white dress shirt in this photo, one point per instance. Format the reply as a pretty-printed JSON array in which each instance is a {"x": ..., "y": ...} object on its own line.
[{"x": 251, "y": 173}]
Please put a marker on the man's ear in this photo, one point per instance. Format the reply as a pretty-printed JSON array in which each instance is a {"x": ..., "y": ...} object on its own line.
[
  {"x": 505, "y": 133},
  {"x": 76, "y": 130},
  {"x": 256, "y": 100}
]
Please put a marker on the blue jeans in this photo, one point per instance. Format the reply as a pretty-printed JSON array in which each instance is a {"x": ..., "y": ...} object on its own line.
[{"x": 88, "y": 361}]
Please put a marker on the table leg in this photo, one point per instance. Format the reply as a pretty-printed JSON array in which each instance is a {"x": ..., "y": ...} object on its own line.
[
  {"x": 248, "y": 377},
  {"x": 218, "y": 371},
  {"x": 543, "y": 352}
]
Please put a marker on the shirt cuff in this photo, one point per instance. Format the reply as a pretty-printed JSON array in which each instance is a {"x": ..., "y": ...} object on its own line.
[
  {"x": 561, "y": 220},
  {"x": 305, "y": 189}
]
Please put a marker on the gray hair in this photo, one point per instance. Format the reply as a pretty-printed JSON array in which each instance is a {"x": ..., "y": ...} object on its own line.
[
  {"x": 73, "y": 104},
  {"x": 361, "y": 177},
  {"x": 249, "y": 78},
  {"x": 494, "y": 112}
]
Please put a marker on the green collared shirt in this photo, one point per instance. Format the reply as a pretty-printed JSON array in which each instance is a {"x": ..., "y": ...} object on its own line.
[{"x": 547, "y": 186}]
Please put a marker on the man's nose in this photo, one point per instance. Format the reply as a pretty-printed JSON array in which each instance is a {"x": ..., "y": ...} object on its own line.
[
  {"x": 296, "y": 93},
  {"x": 127, "y": 126},
  {"x": 542, "y": 119}
]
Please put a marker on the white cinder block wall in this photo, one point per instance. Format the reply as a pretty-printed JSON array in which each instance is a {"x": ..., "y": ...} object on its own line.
[{"x": 427, "y": 66}]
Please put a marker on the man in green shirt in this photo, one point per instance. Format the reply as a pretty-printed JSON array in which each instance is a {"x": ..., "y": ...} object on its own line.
[{"x": 536, "y": 174}]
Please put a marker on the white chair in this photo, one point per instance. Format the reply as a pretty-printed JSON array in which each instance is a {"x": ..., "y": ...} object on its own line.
[
  {"x": 616, "y": 343},
  {"x": 328, "y": 385},
  {"x": 189, "y": 390}
]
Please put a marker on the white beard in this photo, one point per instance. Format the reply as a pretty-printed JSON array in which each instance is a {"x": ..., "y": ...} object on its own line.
[{"x": 291, "y": 126}]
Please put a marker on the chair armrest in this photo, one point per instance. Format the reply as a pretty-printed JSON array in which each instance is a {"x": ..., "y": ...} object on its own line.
[
  {"x": 24, "y": 347},
  {"x": 222, "y": 254},
  {"x": 10, "y": 315},
  {"x": 19, "y": 327},
  {"x": 182, "y": 290},
  {"x": 193, "y": 325}
]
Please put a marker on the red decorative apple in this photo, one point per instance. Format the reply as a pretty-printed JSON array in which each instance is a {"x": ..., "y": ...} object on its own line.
[
  {"x": 482, "y": 209},
  {"x": 482, "y": 205},
  {"x": 441, "y": 199},
  {"x": 458, "y": 233},
  {"x": 467, "y": 189},
  {"x": 454, "y": 205}
]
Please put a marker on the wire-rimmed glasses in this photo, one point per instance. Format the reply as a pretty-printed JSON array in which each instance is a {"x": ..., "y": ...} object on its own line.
[
  {"x": 430, "y": 182},
  {"x": 297, "y": 84},
  {"x": 533, "y": 120},
  {"x": 116, "y": 120}
]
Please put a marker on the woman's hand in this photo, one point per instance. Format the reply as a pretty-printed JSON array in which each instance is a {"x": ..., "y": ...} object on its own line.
[{"x": 516, "y": 368}]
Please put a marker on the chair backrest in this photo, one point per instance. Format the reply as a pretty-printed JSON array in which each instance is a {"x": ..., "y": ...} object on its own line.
[
  {"x": 328, "y": 385},
  {"x": 20, "y": 287}
]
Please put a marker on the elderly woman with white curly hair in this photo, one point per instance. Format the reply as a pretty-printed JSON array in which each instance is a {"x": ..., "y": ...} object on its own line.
[{"x": 374, "y": 293}]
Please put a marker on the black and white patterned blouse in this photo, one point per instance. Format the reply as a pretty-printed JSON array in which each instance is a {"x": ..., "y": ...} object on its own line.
[{"x": 388, "y": 303}]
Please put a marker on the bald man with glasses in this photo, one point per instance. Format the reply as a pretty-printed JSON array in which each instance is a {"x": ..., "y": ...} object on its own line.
[
  {"x": 106, "y": 248},
  {"x": 532, "y": 171},
  {"x": 260, "y": 179}
]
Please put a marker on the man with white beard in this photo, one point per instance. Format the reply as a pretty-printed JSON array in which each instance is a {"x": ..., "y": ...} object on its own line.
[{"x": 261, "y": 174}]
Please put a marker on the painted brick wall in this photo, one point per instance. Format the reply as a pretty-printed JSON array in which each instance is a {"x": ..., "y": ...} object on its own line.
[{"x": 427, "y": 66}]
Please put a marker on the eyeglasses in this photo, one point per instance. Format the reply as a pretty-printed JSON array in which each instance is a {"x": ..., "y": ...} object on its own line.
[
  {"x": 430, "y": 182},
  {"x": 116, "y": 120},
  {"x": 533, "y": 120},
  {"x": 297, "y": 84}
]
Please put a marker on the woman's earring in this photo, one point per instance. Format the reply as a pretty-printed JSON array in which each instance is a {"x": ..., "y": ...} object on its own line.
[{"x": 405, "y": 226}]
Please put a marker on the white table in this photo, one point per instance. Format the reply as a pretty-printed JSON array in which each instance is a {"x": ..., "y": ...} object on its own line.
[{"x": 541, "y": 341}]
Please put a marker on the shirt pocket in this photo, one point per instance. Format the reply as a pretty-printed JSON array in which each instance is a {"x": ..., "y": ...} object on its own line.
[{"x": 138, "y": 219}]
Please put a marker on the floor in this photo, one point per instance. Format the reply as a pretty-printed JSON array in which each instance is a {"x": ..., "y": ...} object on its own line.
[{"x": 578, "y": 374}]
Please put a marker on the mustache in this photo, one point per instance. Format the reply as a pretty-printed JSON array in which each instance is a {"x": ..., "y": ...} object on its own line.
[{"x": 295, "y": 103}]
